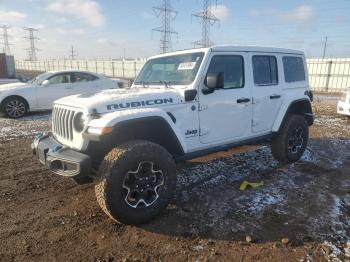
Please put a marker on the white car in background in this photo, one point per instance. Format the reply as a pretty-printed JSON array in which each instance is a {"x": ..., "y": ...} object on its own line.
[
  {"x": 17, "y": 99},
  {"x": 344, "y": 103}
]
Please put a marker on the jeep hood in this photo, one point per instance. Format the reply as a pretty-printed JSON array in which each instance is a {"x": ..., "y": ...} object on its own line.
[{"x": 120, "y": 99}]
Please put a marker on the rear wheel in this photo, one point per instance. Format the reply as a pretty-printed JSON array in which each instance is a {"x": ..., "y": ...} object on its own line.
[
  {"x": 14, "y": 107},
  {"x": 291, "y": 140},
  {"x": 137, "y": 182}
]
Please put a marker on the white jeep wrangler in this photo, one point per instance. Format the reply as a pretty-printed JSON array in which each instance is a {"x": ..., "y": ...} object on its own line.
[{"x": 182, "y": 105}]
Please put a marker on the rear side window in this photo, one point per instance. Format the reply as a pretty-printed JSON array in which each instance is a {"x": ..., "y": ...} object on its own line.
[
  {"x": 265, "y": 70},
  {"x": 83, "y": 77},
  {"x": 232, "y": 67},
  {"x": 294, "y": 69}
]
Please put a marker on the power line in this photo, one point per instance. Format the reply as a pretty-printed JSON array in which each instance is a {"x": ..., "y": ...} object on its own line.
[
  {"x": 5, "y": 38},
  {"x": 32, "y": 49},
  {"x": 165, "y": 12},
  {"x": 207, "y": 19}
]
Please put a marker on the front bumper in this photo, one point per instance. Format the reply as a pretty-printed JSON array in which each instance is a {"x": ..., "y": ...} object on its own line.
[
  {"x": 343, "y": 108},
  {"x": 60, "y": 160}
]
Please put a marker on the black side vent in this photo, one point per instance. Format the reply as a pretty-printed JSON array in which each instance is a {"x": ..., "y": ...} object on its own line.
[{"x": 172, "y": 117}]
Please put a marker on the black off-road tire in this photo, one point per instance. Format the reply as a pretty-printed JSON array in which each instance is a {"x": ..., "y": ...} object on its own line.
[
  {"x": 117, "y": 165},
  {"x": 14, "y": 100},
  {"x": 281, "y": 145}
]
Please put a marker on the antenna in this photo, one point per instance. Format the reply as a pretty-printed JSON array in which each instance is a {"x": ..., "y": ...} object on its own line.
[
  {"x": 207, "y": 19},
  {"x": 73, "y": 53},
  {"x": 5, "y": 38},
  {"x": 165, "y": 12},
  {"x": 31, "y": 50}
]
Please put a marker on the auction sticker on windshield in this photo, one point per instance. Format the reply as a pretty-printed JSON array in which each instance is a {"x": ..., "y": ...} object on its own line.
[{"x": 186, "y": 66}]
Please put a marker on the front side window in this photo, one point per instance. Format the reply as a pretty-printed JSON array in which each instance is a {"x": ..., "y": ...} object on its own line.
[
  {"x": 174, "y": 70},
  {"x": 60, "y": 79},
  {"x": 294, "y": 69},
  {"x": 265, "y": 70},
  {"x": 83, "y": 77},
  {"x": 233, "y": 68}
]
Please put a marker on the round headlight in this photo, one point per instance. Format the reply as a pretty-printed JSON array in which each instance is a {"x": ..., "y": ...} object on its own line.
[{"x": 79, "y": 122}]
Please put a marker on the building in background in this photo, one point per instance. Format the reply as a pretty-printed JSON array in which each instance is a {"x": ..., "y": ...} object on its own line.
[{"x": 7, "y": 66}]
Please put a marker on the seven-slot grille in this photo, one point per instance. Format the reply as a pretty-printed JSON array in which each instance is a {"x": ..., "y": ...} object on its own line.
[{"x": 62, "y": 122}]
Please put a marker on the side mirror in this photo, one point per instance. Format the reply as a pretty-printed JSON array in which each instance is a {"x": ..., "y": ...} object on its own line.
[
  {"x": 45, "y": 82},
  {"x": 214, "y": 81}
]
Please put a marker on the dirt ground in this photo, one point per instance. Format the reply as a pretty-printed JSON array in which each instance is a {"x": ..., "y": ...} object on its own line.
[{"x": 49, "y": 218}]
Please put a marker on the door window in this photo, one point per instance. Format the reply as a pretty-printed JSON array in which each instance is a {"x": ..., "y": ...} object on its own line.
[
  {"x": 83, "y": 77},
  {"x": 60, "y": 79},
  {"x": 232, "y": 67},
  {"x": 265, "y": 70}
]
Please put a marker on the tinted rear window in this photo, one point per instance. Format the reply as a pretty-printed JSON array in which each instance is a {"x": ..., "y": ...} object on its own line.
[{"x": 294, "y": 69}]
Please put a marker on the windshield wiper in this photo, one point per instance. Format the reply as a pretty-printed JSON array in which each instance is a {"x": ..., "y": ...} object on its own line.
[
  {"x": 143, "y": 83},
  {"x": 166, "y": 83}
]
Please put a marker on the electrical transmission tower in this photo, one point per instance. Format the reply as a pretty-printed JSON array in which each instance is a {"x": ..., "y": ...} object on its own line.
[
  {"x": 5, "y": 39},
  {"x": 165, "y": 12},
  {"x": 72, "y": 53},
  {"x": 32, "y": 49},
  {"x": 207, "y": 19}
]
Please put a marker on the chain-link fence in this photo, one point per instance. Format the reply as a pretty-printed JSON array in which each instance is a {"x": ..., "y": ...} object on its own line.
[{"x": 325, "y": 75}]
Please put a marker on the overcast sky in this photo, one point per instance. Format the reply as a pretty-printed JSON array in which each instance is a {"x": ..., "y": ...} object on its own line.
[{"x": 102, "y": 29}]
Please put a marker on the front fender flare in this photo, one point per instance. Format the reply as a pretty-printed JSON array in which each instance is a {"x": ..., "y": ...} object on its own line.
[{"x": 118, "y": 117}]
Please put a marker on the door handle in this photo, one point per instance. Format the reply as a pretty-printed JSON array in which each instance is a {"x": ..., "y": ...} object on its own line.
[
  {"x": 243, "y": 100},
  {"x": 275, "y": 96}
]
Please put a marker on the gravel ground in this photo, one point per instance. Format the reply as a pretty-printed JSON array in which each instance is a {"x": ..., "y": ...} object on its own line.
[{"x": 307, "y": 204}]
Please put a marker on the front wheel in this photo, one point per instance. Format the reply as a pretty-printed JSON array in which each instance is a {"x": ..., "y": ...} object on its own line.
[
  {"x": 138, "y": 179},
  {"x": 290, "y": 142},
  {"x": 14, "y": 107}
]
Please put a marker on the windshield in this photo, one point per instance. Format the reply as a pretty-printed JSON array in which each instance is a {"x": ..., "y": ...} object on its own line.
[
  {"x": 39, "y": 78},
  {"x": 173, "y": 70}
]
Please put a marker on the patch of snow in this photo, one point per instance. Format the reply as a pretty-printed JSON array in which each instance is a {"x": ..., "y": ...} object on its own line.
[
  {"x": 308, "y": 156},
  {"x": 27, "y": 126}
]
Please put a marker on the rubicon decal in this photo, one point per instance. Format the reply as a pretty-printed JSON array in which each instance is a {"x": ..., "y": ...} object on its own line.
[{"x": 150, "y": 102}]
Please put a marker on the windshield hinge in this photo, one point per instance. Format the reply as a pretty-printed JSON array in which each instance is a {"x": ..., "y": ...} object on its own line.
[{"x": 202, "y": 107}]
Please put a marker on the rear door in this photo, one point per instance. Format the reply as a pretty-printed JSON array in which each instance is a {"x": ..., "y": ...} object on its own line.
[
  {"x": 267, "y": 93},
  {"x": 225, "y": 114},
  {"x": 85, "y": 83}
]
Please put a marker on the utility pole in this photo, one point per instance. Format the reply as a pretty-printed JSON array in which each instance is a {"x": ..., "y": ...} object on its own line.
[
  {"x": 325, "y": 47},
  {"x": 207, "y": 19},
  {"x": 165, "y": 12},
  {"x": 32, "y": 49},
  {"x": 5, "y": 39},
  {"x": 73, "y": 53}
]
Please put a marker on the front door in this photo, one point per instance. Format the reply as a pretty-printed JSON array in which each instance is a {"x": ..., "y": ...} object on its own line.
[
  {"x": 267, "y": 95},
  {"x": 225, "y": 114},
  {"x": 59, "y": 86}
]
